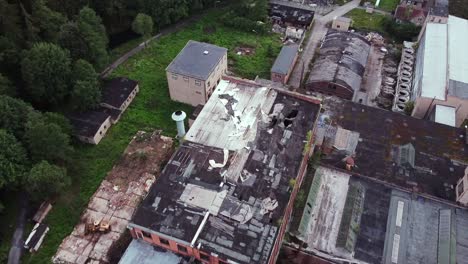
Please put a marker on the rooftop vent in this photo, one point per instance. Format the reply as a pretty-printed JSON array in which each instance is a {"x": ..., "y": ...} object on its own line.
[
  {"x": 406, "y": 155},
  {"x": 206, "y": 52}
]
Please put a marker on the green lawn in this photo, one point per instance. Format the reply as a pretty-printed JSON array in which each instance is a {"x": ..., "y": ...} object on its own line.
[
  {"x": 118, "y": 51},
  {"x": 150, "y": 110},
  {"x": 367, "y": 22},
  {"x": 387, "y": 5}
]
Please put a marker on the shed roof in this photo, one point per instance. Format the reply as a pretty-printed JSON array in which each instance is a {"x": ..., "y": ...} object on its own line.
[
  {"x": 87, "y": 124},
  {"x": 285, "y": 60},
  {"x": 117, "y": 90},
  {"x": 197, "y": 60}
]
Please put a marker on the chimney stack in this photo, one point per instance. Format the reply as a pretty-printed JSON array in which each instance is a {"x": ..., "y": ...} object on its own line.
[{"x": 179, "y": 117}]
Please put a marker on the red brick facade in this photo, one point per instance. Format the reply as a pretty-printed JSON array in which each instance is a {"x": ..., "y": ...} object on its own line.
[{"x": 330, "y": 88}]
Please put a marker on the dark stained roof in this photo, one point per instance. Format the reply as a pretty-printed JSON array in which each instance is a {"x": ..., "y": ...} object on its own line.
[
  {"x": 239, "y": 227},
  {"x": 117, "y": 90},
  {"x": 342, "y": 59},
  {"x": 440, "y": 151},
  {"x": 197, "y": 60},
  {"x": 290, "y": 12},
  {"x": 114, "y": 113},
  {"x": 409, "y": 12},
  {"x": 284, "y": 61},
  {"x": 87, "y": 124}
]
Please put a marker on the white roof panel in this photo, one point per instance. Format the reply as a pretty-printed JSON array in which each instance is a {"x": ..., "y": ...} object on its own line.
[
  {"x": 445, "y": 115},
  {"x": 435, "y": 61},
  {"x": 457, "y": 49}
]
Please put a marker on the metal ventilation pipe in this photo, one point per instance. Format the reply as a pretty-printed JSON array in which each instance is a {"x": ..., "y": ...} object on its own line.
[{"x": 179, "y": 117}]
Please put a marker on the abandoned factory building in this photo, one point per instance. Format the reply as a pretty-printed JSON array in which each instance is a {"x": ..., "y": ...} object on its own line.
[
  {"x": 340, "y": 65},
  {"x": 226, "y": 194}
]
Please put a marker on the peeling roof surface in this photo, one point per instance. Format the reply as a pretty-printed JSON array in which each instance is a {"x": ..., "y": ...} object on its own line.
[
  {"x": 440, "y": 158},
  {"x": 239, "y": 182},
  {"x": 395, "y": 226},
  {"x": 197, "y": 60}
]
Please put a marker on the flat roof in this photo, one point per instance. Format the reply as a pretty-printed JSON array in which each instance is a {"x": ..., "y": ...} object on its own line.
[
  {"x": 394, "y": 226},
  {"x": 434, "y": 81},
  {"x": 230, "y": 199},
  {"x": 197, "y": 60},
  {"x": 458, "y": 56},
  {"x": 445, "y": 115},
  {"x": 416, "y": 154},
  {"x": 285, "y": 60}
]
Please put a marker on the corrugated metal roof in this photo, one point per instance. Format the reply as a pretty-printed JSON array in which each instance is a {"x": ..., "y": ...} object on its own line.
[
  {"x": 457, "y": 49},
  {"x": 445, "y": 115},
  {"x": 285, "y": 59},
  {"x": 435, "y": 61}
]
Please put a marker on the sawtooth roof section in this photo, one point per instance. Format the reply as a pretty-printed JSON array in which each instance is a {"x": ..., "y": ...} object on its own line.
[
  {"x": 435, "y": 61},
  {"x": 285, "y": 59},
  {"x": 197, "y": 60}
]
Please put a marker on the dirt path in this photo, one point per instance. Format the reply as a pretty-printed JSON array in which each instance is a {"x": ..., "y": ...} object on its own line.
[
  {"x": 17, "y": 242},
  {"x": 318, "y": 32}
]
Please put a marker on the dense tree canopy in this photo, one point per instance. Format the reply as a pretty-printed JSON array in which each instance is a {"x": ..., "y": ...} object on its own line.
[
  {"x": 45, "y": 180},
  {"x": 94, "y": 33},
  {"x": 46, "y": 72},
  {"x": 14, "y": 114},
  {"x": 6, "y": 87},
  {"x": 13, "y": 160},
  {"x": 86, "y": 93},
  {"x": 46, "y": 140},
  {"x": 143, "y": 25}
]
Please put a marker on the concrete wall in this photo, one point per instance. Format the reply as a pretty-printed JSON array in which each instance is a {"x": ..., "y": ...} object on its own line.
[
  {"x": 156, "y": 239},
  {"x": 340, "y": 25},
  {"x": 423, "y": 106},
  {"x": 193, "y": 91},
  {"x": 330, "y": 88},
  {"x": 99, "y": 135}
]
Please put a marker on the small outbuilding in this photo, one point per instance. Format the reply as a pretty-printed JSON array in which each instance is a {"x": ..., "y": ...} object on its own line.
[
  {"x": 341, "y": 23},
  {"x": 118, "y": 93},
  {"x": 284, "y": 63},
  {"x": 91, "y": 126}
]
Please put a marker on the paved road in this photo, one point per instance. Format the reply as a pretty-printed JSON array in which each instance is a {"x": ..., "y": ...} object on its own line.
[
  {"x": 317, "y": 33},
  {"x": 17, "y": 242}
]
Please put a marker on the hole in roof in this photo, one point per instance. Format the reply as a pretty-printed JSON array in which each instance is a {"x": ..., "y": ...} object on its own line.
[
  {"x": 287, "y": 122},
  {"x": 274, "y": 120},
  {"x": 292, "y": 114}
]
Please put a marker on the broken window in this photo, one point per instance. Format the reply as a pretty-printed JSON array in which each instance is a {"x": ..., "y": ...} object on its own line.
[
  {"x": 164, "y": 241},
  {"x": 146, "y": 234},
  {"x": 204, "y": 256},
  {"x": 174, "y": 76},
  {"x": 186, "y": 78},
  {"x": 197, "y": 82},
  {"x": 182, "y": 249}
]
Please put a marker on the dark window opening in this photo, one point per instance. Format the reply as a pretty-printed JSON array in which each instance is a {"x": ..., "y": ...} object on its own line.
[
  {"x": 146, "y": 234},
  {"x": 164, "y": 241},
  {"x": 182, "y": 248},
  {"x": 204, "y": 256}
]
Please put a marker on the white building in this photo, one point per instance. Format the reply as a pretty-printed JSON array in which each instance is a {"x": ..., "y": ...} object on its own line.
[{"x": 441, "y": 73}]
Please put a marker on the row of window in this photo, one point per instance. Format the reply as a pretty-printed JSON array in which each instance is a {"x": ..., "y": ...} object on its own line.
[
  {"x": 183, "y": 249},
  {"x": 186, "y": 79}
]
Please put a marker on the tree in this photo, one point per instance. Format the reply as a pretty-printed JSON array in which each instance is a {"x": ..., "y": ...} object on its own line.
[
  {"x": 86, "y": 92},
  {"x": 46, "y": 141},
  {"x": 14, "y": 115},
  {"x": 13, "y": 160},
  {"x": 143, "y": 25},
  {"x": 46, "y": 71},
  {"x": 94, "y": 33},
  {"x": 6, "y": 87},
  {"x": 70, "y": 38},
  {"x": 45, "y": 180},
  {"x": 47, "y": 20}
]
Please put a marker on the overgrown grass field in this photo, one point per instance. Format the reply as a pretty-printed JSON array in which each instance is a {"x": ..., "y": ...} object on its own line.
[
  {"x": 367, "y": 22},
  {"x": 150, "y": 110}
]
